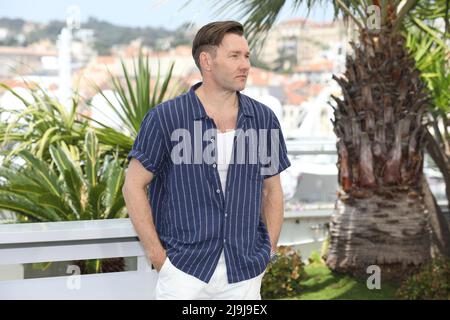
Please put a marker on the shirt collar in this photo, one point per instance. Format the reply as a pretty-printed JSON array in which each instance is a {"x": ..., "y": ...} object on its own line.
[{"x": 199, "y": 110}]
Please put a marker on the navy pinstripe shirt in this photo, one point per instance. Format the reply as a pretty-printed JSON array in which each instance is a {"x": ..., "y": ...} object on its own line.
[{"x": 196, "y": 219}]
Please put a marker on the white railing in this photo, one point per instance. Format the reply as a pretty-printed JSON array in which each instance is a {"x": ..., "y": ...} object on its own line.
[
  {"x": 96, "y": 239},
  {"x": 75, "y": 240}
]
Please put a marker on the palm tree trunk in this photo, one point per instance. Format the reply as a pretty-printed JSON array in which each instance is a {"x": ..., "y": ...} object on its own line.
[
  {"x": 384, "y": 215},
  {"x": 396, "y": 229},
  {"x": 391, "y": 233}
]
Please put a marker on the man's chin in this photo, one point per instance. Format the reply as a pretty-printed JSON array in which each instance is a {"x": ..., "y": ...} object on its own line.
[
  {"x": 240, "y": 86},
  {"x": 236, "y": 86}
]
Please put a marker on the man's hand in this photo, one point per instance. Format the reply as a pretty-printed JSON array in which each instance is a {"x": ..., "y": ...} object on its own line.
[{"x": 158, "y": 259}]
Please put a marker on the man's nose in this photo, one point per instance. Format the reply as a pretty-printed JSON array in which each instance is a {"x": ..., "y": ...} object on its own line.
[{"x": 245, "y": 64}]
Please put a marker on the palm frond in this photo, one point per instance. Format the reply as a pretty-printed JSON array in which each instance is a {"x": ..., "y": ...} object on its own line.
[
  {"x": 22, "y": 205},
  {"x": 114, "y": 177},
  {"x": 133, "y": 96},
  {"x": 91, "y": 152},
  {"x": 45, "y": 177},
  {"x": 72, "y": 178}
]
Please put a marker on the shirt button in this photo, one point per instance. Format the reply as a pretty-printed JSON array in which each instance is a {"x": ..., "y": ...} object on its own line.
[
  {"x": 214, "y": 165},
  {"x": 224, "y": 240},
  {"x": 218, "y": 190},
  {"x": 226, "y": 215},
  {"x": 212, "y": 139}
]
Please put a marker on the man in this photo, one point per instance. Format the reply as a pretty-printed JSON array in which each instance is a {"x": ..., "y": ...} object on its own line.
[{"x": 214, "y": 208}]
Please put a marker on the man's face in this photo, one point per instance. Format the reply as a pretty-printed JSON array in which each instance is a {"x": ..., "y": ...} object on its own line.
[{"x": 231, "y": 64}]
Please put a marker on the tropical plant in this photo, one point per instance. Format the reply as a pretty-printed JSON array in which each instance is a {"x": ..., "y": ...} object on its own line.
[
  {"x": 72, "y": 187},
  {"x": 45, "y": 121},
  {"x": 385, "y": 213},
  {"x": 42, "y": 122},
  {"x": 67, "y": 174},
  {"x": 57, "y": 169},
  {"x": 380, "y": 128},
  {"x": 432, "y": 60},
  {"x": 44, "y": 125},
  {"x": 282, "y": 278},
  {"x": 134, "y": 97},
  {"x": 432, "y": 282}
]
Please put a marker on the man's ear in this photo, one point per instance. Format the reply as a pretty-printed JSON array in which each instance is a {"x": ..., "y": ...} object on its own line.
[{"x": 205, "y": 61}]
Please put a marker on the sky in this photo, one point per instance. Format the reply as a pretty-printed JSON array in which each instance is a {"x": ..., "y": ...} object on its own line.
[{"x": 139, "y": 13}]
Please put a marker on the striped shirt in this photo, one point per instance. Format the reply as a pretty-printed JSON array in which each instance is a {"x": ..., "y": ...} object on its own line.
[{"x": 196, "y": 219}]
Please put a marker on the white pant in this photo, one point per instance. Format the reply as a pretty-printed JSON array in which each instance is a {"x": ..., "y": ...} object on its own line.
[{"x": 174, "y": 284}]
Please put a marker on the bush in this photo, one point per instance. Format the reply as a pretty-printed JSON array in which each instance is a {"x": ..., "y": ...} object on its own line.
[
  {"x": 282, "y": 278},
  {"x": 431, "y": 282},
  {"x": 316, "y": 257}
]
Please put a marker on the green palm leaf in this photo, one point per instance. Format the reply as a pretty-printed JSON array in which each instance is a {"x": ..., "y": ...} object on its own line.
[
  {"x": 91, "y": 151},
  {"x": 72, "y": 177},
  {"x": 45, "y": 177},
  {"x": 133, "y": 96},
  {"x": 115, "y": 176},
  {"x": 22, "y": 205},
  {"x": 56, "y": 203}
]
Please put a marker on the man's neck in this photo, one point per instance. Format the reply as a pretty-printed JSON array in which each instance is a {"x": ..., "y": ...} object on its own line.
[{"x": 218, "y": 99}]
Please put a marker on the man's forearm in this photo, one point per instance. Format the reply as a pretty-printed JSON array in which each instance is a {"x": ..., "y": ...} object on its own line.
[
  {"x": 141, "y": 216},
  {"x": 273, "y": 213}
]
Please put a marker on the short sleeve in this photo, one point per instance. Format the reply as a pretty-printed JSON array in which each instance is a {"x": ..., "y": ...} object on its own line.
[
  {"x": 277, "y": 150},
  {"x": 149, "y": 148}
]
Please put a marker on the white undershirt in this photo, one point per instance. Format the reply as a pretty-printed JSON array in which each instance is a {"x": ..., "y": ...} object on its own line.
[{"x": 225, "y": 142}]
